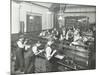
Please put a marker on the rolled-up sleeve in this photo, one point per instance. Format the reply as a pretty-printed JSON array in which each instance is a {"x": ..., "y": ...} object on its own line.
[
  {"x": 20, "y": 45},
  {"x": 48, "y": 52}
]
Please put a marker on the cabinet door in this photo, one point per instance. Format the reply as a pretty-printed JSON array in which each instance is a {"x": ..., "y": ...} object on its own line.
[
  {"x": 34, "y": 23},
  {"x": 80, "y": 22}
]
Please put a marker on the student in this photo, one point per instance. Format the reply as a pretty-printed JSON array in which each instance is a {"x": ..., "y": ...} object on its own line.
[
  {"x": 35, "y": 48},
  {"x": 49, "y": 53},
  {"x": 62, "y": 37},
  {"x": 76, "y": 34},
  {"x": 19, "y": 63},
  {"x": 29, "y": 61},
  {"x": 41, "y": 34},
  {"x": 30, "y": 66},
  {"x": 70, "y": 35},
  {"x": 48, "y": 50},
  {"x": 63, "y": 31},
  {"x": 54, "y": 31},
  {"x": 47, "y": 33}
]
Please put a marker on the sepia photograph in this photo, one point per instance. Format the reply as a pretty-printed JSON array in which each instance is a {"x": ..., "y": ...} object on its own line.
[{"x": 52, "y": 37}]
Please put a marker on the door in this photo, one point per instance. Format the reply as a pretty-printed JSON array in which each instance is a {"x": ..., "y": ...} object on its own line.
[{"x": 34, "y": 23}]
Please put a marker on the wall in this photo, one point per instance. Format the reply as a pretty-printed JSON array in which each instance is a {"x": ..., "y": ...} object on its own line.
[
  {"x": 15, "y": 18},
  {"x": 37, "y": 10},
  {"x": 82, "y": 11},
  {"x": 19, "y": 12}
]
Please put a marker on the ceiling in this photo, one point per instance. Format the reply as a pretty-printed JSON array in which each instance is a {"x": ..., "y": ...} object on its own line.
[
  {"x": 54, "y": 6},
  {"x": 48, "y": 5},
  {"x": 57, "y": 6}
]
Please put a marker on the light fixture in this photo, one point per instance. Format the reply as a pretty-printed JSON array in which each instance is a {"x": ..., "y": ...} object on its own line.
[
  {"x": 31, "y": 17},
  {"x": 60, "y": 18},
  {"x": 60, "y": 14}
]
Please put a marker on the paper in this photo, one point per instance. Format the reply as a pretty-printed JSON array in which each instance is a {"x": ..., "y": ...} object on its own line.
[{"x": 59, "y": 56}]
